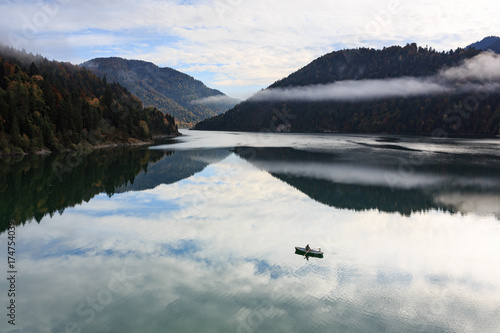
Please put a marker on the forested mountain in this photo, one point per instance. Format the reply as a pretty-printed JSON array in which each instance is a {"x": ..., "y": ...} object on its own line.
[
  {"x": 488, "y": 43},
  {"x": 463, "y": 113},
  {"x": 49, "y": 105},
  {"x": 165, "y": 88}
]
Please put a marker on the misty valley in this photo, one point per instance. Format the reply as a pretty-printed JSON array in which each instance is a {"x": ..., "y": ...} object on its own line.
[{"x": 197, "y": 233}]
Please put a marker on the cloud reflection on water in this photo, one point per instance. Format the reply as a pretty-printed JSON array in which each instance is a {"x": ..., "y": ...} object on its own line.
[{"x": 212, "y": 267}]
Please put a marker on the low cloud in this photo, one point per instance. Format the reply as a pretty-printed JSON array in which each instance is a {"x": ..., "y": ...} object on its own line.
[
  {"x": 217, "y": 99},
  {"x": 484, "y": 67},
  {"x": 354, "y": 90},
  {"x": 481, "y": 73}
]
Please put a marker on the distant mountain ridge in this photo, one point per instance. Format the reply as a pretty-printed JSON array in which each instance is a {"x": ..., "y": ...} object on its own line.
[
  {"x": 416, "y": 114},
  {"x": 488, "y": 43},
  {"x": 167, "y": 89}
]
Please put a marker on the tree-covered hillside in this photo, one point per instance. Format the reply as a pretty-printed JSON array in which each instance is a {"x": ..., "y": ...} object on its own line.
[
  {"x": 487, "y": 43},
  {"x": 465, "y": 113},
  {"x": 165, "y": 88},
  {"x": 49, "y": 105}
]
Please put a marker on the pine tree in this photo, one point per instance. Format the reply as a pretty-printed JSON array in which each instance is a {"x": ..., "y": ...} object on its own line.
[{"x": 33, "y": 69}]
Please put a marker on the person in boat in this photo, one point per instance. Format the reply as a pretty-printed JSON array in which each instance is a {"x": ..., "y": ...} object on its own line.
[{"x": 308, "y": 248}]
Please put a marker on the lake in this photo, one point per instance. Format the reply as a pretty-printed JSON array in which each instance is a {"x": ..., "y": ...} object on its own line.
[{"x": 197, "y": 234}]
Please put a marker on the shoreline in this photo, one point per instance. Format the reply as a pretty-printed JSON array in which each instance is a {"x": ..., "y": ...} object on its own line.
[
  {"x": 86, "y": 147},
  {"x": 423, "y": 135}
]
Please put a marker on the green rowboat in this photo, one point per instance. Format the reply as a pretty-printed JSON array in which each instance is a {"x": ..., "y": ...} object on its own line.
[{"x": 310, "y": 253}]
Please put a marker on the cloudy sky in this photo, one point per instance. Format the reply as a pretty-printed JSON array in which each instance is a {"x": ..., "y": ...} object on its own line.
[{"x": 236, "y": 46}]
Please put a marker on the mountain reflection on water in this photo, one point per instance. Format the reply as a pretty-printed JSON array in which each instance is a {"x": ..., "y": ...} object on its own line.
[
  {"x": 353, "y": 174},
  {"x": 402, "y": 183},
  {"x": 199, "y": 236},
  {"x": 34, "y": 186}
]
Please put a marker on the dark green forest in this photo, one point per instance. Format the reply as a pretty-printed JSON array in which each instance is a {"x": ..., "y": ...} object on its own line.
[
  {"x": 55, "y": 106},
  {"x": 454, "y": 114}
]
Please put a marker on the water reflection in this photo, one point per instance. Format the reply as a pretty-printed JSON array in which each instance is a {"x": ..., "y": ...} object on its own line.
[
  {"x": 34, "y": 186},
  {"x": 204, "y": 241},
  {"x": 156, "y": 260},
  {"x": 178, "y": 166},
  {"x": 355, "y": 173},
  {"x": 405, "y": 182}
]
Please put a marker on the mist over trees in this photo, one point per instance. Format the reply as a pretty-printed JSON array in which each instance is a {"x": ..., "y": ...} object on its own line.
[
  {"x": 459, "y": 113},
  {"x": 49, "y": 105}
]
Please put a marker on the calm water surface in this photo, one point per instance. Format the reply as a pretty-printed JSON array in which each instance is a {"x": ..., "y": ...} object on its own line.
[{"x": 198, "y": 235}]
